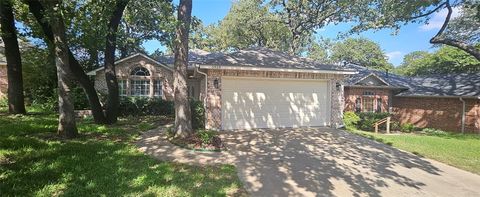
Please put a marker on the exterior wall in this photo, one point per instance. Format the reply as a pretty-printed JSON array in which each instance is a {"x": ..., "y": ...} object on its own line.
[
  {"x": 439, "y": 113},
  {"x": 123, "y": 70},
  {"x": 3, "y": 81},
  {"x": 214, "y": 95},
  {"x": 352, "y": 93}
]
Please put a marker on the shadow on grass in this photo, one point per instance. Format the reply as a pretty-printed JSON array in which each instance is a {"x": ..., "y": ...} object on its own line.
[{"x": 31, "y": 166}]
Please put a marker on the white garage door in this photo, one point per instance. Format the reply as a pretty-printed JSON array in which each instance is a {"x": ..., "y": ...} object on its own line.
[{"x": 271, "y": 103}]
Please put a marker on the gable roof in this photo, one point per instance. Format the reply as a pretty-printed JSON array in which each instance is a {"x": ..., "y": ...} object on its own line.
[
  {"x": 390, "y": 79},
  {"x": 94, "y": 72},
  {"x": 268, "y": 59},
  {"x": 446, "y": 85},
  {"x": 449, "y": 85}
]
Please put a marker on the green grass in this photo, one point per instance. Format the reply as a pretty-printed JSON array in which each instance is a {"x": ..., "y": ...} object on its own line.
[
  {"x": 101, "y": 162},
  {"x": 462, "y": 151}
]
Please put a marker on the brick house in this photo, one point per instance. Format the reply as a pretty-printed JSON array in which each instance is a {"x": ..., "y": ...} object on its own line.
[
  {"x": 255, "y": 88},
  {"x": 440, "y": 101},
  {"x": 262, "y": 88}
]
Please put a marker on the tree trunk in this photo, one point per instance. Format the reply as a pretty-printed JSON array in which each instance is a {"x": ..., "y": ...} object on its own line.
[
  {"x": 183, "y": 122},
  {"x": 113, "y": 98},
  {"x": 16, "y": 104},
  {"x": 66, "y": 126},
  {"x": 37, "y": 9}
]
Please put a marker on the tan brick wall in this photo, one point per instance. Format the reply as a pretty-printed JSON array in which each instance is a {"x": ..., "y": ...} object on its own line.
[
  {"x": 214, "y": 96},
  {"x": 352, "y": 93},
  {"x": 440, "y": 113},
  {"x": 124, "y": 68},
  {"x": 3, "y": 81}
]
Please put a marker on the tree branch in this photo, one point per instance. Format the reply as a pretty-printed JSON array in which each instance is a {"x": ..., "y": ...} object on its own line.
[{"x": 437, "y": 39}]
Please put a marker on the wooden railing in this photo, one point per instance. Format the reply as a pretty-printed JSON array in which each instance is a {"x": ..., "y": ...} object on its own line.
[{"x": 386, "y": 121}]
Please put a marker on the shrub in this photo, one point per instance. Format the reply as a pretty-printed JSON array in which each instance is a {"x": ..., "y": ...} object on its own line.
[
  {"x": 206, "y": 136},
  {"x": 407, "y": 127},
  {"x": 395, "y": 126},
  {"x": 368, "y": 119},
  {"x": 198, "y": 114},
  {"x": 432, "y": 131},
  {"x": 350, "y": 119},
  {"x": 138, "y": 106}
]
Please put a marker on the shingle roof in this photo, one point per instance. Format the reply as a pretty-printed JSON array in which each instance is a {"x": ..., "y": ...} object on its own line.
[
  {"x": 393, "y": 80},
  {"x": 267, "y": 58},
  {"x": 463, "y": 84},
  {"x": 456, "y": 85},
  {"x": 194, "y": 56}
]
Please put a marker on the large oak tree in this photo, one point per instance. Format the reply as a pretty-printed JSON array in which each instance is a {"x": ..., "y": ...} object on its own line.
[
  {"x": 67, "y": 126},
  {"x": 8, "y": 33},
  {"x": 183, "y": 120}
]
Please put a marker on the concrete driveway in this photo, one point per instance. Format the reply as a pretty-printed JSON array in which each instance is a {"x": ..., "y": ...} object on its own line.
[{"x": 322, "y": 162}]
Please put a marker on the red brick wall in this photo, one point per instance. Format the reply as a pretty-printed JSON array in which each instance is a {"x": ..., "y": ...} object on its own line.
[
  {"x": 3, "y": 81},
  {"x": 440, "y": 113},
  {"x": 352, "y": 93}
]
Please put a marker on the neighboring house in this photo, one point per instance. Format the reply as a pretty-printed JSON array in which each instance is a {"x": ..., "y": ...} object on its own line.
[
  {"x": 433, "y": 101},
  {"x": 255, "y": 88}
]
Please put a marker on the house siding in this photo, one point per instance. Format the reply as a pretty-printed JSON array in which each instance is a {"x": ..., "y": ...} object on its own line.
[
  {"x": 124, "y": 68},
  {"x": 3, "y": 81},
  {"x": 214, "y": 95},
  {"x": 352, "y": 93},
  {"x": 439, "y": 113}
]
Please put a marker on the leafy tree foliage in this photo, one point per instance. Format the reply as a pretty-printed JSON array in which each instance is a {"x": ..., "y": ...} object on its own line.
[
  {"x": 249, "y": 23},
  {"x": 360, "y": 51},
  {"x": 445, "y": 60}
]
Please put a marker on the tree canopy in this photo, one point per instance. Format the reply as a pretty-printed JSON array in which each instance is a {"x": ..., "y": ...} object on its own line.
[
  {"x": 361, "y": 51},
  {"x": 445, "y": 60}
]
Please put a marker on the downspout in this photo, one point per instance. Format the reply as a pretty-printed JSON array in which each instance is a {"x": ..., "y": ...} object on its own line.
[
  {"x": 197, "y": 68},
  {"x": 463, "y": 115}
]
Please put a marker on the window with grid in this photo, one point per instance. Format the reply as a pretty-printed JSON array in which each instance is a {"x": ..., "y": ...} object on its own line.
[
  {"x": 358, "y": 105},
  {"x": 367, "y": 104},
  {"x": 122, "y": 87},
  {"x": 140, "y": 87},
  {"x": 157, "y": 88}
]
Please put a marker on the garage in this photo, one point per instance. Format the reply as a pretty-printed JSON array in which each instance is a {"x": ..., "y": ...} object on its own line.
[{"x": 274, "y": 103}]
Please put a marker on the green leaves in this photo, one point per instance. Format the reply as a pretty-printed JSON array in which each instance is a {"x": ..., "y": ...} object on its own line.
[{"x": 445, "y": 60}]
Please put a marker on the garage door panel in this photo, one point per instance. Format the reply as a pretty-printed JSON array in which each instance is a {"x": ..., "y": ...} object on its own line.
[{"x": 254, "y": 103}]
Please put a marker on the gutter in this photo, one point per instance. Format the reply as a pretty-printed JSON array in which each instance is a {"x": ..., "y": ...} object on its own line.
[
  {"x": 345, "y": 72},
  {"x": 463, "y": 115},
  {"x": 197, "y": 69}
]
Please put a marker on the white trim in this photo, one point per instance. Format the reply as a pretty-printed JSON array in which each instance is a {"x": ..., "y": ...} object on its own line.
[
  {"x": 434, "y": 96},
  {"x": 374, "y": 87},
  {"x": 373, "y": 74},
  {"x": 276, "y": 69},
  {"x": 94, "y": 72},
  {"x": 280, "y": 78}
]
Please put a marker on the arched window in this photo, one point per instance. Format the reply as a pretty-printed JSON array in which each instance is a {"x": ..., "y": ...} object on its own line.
[{"x": 140, "y": 71}]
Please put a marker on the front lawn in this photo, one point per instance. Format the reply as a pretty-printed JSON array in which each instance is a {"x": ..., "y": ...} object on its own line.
[
  {"x": 462, "y": 151},
  {"x": 102, "y": 162}
]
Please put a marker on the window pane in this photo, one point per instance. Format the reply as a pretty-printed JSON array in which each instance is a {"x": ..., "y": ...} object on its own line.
[
  {"x": 379, "y": 105},
  {"x": 157, "y": 88},
  {"x": 140, "y": 71},
  {"x": 140, "y": 88},
  {"x": 367, "y": 104},
  {"x": 358, "y": 105},
  {"x": 122, "y": 87}
]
